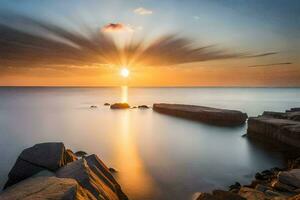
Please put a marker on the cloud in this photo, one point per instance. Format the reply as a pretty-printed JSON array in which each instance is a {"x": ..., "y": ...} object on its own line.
[
  {"x": 272, "y": 64},
  {"x": 117, "y": 27},
  {"x": 21, "y": 50},
  {"x": 263, "y": 54},
  {"x": 143, "y": 11}
]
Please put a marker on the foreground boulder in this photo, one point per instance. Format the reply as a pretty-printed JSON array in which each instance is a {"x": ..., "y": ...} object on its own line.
[
  {"x": 44, "y": 156},
  {"x": 276, "y": 127},
  {"x": 45, "y": 188},
  {"x": 59, "y": 175},
  {"x": 208, "y": 115},
  {"x": 120, "y": 106}
]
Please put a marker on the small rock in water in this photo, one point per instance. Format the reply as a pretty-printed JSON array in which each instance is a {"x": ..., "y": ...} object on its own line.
[
  {"x": 93, "y": 106},
  {"x": 235, "y": 186},
  {"x": 107, "y": 104},
  {"x": 80, "y": 153},
  {"x": 120, "y": 106},
  {"x": 143, "y": 107},
  {"x": 133, "y": 107},
  {"x": 245, "y": 135},
  {"x": 112, "y": 170}
]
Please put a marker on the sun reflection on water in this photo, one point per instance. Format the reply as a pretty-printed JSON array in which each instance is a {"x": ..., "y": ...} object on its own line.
[{"x": 133, "y": 176}]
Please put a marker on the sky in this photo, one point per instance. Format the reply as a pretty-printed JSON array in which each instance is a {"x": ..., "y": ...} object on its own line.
[{"x": 162, "y": 43}]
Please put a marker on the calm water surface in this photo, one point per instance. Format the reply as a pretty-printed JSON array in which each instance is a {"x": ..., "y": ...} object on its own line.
[{"x": 158, "y": 157}]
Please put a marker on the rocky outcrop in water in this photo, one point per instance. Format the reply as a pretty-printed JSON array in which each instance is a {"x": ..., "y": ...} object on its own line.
[
  {"x": 120, "y": 106},
  {"x": 48, "y": 171},
  {"x": 208, "y": 115},
  {"x": 276, "y": 127}
]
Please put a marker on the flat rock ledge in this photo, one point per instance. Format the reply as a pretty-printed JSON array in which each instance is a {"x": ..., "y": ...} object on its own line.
[
  {"x": 49, "y": 171},
  {"x": 215, "y": 116},
  {"x": 277, "y": 127}
]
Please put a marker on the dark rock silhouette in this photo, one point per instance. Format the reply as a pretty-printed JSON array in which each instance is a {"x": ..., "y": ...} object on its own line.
[
  {"x": 107, "y": 104},
  {"x": 143, "y": 107},
  {"x": 215, "y": 116}
]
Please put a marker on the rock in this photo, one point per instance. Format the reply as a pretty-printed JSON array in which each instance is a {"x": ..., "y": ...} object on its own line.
[
  {"x": 97, "y": 165},
  {"x": 94, "y": 176},
  {"x": 291, "y": 178},
  {"x": 262, "y": 177},
  {"x": 262, "y": 188},
  {"x": 271, "y": 193},
  {"x": 209, "y": 115},
  {"x": 143, "y": 107},
  {"x": 107, "y": 104},
  {"x": 87, "y": 179},
  {"x": 219, "y": 195},
  {"x": 70, "y": 156},
  {"x": 112, "y": 170},
  {"x": 235, "y": 186},
  {"x": 120, "y": 106},
  {"x": 93, "y": 106},
  {"x": 251, "y": 194},
  {"x": 45, "y": 188},
  {"x": 275, "y": 130},
  {"x": 282, "y": 187},
  {"x": 295, "y": 163},
  {"x": 244, "y": 135},
  {"x": 296, "y": 197},
  {"x": 80, "y": 153},
  {"x": 134, "y": 107},
  {"x": 49, "y": 156}
]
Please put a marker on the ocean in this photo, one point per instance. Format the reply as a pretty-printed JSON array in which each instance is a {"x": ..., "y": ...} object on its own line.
[{"x": 157, "y": 156}]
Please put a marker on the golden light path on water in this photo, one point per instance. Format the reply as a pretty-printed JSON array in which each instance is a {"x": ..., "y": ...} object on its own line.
[{"x": 134, "y": 178}]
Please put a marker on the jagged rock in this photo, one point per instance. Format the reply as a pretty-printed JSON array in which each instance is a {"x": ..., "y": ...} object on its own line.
[
  {"x": 98, "y": 166},
  {"x": 251, "y": 194},
  {"x": 90, "y": 175},
  {"x": 291, "y": 178},
  {"x": 283, "y": 187},
  {"x": 49, "y": 156},
  {"x": 119, "y": 106},
  {"x": 70, "y": 156},
  {"x": 209, "y": 115},
  {"x": 45, "y": 188},
  {"x": 219, "y": 195}
]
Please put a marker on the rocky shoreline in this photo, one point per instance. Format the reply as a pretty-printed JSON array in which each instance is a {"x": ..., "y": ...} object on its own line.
[{"x": 49, "y": 171}]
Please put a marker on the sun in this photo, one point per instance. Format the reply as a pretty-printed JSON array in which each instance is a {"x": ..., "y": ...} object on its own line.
[{"x": 124, "y": 72}]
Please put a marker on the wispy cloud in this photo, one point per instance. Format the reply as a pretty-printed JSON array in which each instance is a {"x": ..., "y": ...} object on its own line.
[
  {"x": 143, "y": 11},
  {"x": 263, "y": 54},
  {"x": 21, "y": 49},
  {"x": 196, "y": 17},
  {"x": 272, "y": 64}
]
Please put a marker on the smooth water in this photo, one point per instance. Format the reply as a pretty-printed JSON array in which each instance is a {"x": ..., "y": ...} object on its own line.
[{"x": 158, "y": 156}]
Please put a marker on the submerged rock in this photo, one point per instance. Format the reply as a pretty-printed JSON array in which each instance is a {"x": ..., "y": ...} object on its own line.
[
  {"x": 93, "y": 106},
  {"x": 49, "y": 156},
  {"x": 209, "y": 115},
  {"x": 106, "y": 104},
  {"x": 120, "y": 106}
]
